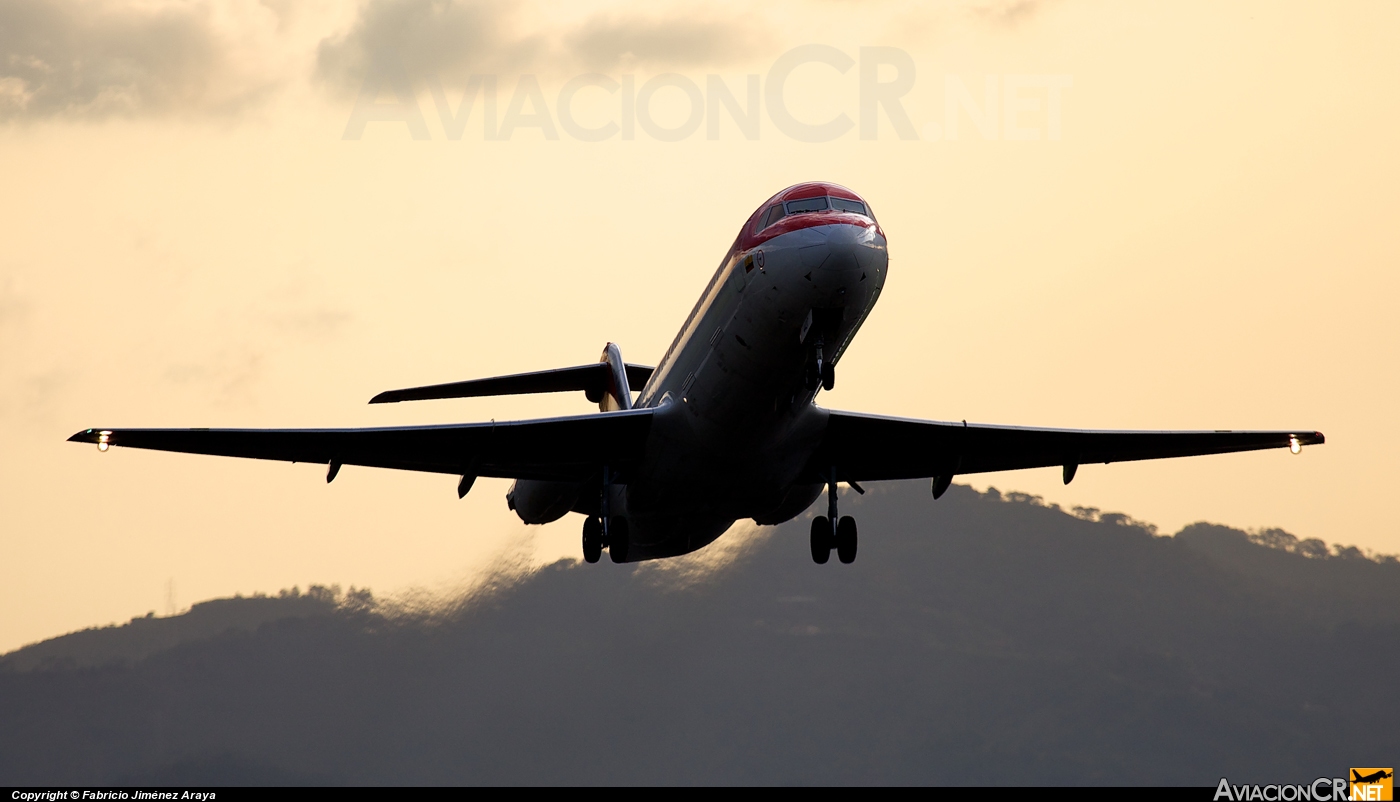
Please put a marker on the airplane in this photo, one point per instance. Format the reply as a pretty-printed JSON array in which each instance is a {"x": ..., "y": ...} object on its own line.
[
  {"x": 1374, "y": 777},
  {"x": 726, "y": 425}
]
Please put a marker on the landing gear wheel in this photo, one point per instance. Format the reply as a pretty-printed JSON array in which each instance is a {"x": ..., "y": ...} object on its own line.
[
  {"x": 828, "y": 377},
  {"x": 846, "y": 540},
  {"x": 821, "y": 539},
  {"x": 617, "y": 539},
  {"x": 813, "y": 376},
  {"x": 592, "y": 540}
]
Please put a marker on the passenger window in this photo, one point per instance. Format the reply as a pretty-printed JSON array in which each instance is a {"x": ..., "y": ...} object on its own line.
[
  {"x": 841, "y": 204},
  {"x": 806, "y": 205}
]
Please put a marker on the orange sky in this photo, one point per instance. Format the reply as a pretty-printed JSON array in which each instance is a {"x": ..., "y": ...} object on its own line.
[{"x": 189, "y": 241}]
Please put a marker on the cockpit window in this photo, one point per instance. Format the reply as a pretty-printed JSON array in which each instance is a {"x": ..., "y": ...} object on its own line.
[
  {"x": 806, "y": 205},
  {"x": 778, "y": 211},
  {"x": 775, "y": 214},
  {"x": 843, "y": 205}
]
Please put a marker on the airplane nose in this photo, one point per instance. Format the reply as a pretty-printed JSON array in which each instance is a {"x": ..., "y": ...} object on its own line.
[
  {"x": 843, "y": 265},
  {"x": 852, "y": 249}
]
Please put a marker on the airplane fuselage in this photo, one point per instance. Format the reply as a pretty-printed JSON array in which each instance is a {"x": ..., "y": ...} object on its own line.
[{"x": 734, "y": 426}]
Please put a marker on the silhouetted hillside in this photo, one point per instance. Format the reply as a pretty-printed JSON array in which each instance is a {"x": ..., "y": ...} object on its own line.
[
  {"x": 975, "y": 640},
  {"x": 142, "y": 637}
]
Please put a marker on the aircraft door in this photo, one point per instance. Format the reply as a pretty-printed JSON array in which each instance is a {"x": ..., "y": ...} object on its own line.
[{"x": 743, "y": 272}]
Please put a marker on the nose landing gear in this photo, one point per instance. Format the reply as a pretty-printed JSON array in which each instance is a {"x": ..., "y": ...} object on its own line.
[
  {"x": 825, "y": 536},
  {"x": 820, "y": 372}
]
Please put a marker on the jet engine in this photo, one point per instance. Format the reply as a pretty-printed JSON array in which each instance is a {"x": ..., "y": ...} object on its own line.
[{"x": 539, "y": 502}]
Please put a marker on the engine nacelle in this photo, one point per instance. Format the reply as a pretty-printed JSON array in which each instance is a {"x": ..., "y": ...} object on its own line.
[
  {"x": 539, "y": 502},
  {"x": 797, "y": 499}
]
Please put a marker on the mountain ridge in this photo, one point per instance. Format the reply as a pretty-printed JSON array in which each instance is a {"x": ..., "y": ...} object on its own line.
[{"x": 971, "y": 642}]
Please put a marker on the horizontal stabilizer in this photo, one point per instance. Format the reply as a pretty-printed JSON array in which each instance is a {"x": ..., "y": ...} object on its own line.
[{"x": 592, "y": 379}]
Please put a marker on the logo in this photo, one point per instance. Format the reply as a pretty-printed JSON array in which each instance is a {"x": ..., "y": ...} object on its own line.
[
  {"x": 670, "y": 107},
  {"x": 1372, "y": 784}
]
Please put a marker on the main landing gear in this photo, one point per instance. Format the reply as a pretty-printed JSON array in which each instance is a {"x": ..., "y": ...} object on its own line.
[
  {"x": 843, "y": 538},
  {"x": 607, "y": 530},
  {"x": 596, "y": 537}
]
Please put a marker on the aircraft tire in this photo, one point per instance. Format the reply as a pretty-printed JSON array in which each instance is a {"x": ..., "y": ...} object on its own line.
[
  {"x": 846, "y": 540},
  {"x": 813, "y": 376},
  {"x": 592, "y": 539},
  {"x": 821, "y": 539},
  {"x": 617, "y": 539},
  {"x": 828, "y": 377}
]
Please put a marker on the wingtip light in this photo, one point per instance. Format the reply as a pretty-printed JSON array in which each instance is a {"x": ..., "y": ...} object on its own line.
[
  {"x": 104, "y": 440},
  {"x": 1294, "y": 445}
]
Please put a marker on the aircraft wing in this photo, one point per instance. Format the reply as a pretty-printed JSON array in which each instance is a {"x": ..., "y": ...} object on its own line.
[
  {"x": 874, "y": 447},
  {"x": 568, "y": 448}
]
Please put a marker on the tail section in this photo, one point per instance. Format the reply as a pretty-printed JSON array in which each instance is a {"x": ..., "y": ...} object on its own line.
[{"x": 619, "y": 391}]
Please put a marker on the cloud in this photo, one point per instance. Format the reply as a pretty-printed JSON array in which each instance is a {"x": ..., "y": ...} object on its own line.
[
  {"x": 425, "y": 37},
  {"x": 678, "y": 41},
  {"x": 1007, "y": 12},
  {"x": 452, "y": 40},
  {"x": 95, "y": 59},
  {"x": 71, "y": 58}
]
